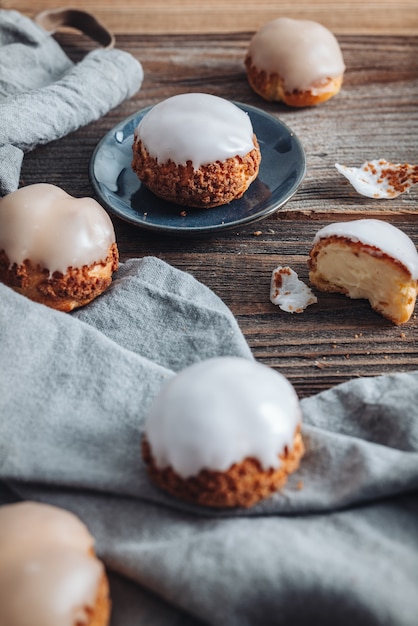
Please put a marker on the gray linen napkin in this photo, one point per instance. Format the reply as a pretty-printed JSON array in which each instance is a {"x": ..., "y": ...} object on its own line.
[
  {"x": 44, "y": 95},
  {"x": 74, "y": 390}
]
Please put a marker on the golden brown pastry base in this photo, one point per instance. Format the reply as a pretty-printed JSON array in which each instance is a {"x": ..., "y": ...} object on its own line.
[
  {"x": 100, "y": 615},
  {"x": 63, "y": 292},
  {"x": 243, "y": 485},
  {"x": 209, "y": 186},
  {"x": 271, "y": 88},
  {"x": 340, "y": 265}
]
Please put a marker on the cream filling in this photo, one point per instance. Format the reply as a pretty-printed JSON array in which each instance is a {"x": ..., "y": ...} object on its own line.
[{"x": 388, "y": 239}]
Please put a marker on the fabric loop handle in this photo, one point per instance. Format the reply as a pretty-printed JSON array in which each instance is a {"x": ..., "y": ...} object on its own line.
[{"x": 83, "y": 21}]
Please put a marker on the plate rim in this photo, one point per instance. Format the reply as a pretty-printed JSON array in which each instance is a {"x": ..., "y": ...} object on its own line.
[{"x": 197, "y": 230}]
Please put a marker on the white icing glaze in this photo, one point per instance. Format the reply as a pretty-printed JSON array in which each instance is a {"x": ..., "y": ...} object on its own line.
[
  {"x": 43, "y": 223},
  {"x": 219, "y": 412},
  {"x": 23, "y": 525},
  {"x": 195, "y": 127},
  {"x": 379, "y": 234},
  {"x": 47, "y": 576},
  {"x": 303, "y": 53}
]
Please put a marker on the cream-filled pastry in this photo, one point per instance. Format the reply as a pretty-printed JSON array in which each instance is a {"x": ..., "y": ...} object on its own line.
[
  {"x": 368, "y": 259},
  {"x": 196, "y": 150},
  {"x": 298, "y": 62},
  {"x": 54, "y": 248},
  {"x": 224, "y": 432},
  {"x": 49, "y": 574}
]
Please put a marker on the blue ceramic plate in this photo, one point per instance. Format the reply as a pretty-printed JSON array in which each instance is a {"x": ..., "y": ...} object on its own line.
[{"x": 281, "y": 172}]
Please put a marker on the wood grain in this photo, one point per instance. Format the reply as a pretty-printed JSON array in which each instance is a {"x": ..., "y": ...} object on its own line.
[
  {"x": 223, "y": 16},
  {"x": 376, "y": 115}
]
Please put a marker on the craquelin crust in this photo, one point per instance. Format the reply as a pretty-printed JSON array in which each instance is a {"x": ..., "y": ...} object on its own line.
[
  {"x": 271, "y": 88},
  {"x": 206, "y": 187},
  {"x": 243, "y": 485},
  {"x": 401, "y": 288},
  {"x": 64, "y": 292}
]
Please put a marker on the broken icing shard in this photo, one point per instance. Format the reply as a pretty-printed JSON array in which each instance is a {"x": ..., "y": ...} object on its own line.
[
  {"x": 290, "y": 293},
  {"x": 380, "y": 178}
]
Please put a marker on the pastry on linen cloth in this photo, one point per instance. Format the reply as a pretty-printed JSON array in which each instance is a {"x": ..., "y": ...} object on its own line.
[
  {"x": 56, "y": 249},
  {"x": 49, "y": 573},
  {"x": 224, "y": 432}
]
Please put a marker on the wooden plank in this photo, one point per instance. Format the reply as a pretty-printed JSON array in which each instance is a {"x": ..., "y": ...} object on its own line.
[
  {"x": 375, "y": 116},
  {"x": 219, "y": 16}
]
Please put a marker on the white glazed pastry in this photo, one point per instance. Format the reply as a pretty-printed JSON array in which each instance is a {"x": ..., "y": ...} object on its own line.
[
  {"x": 197, "y": 150},
  {"x": 296, "y": 61},
  {"x": 54, "y": 248},
  {"x": 223, "y": 432},
  {"x": 49, "y": 574},
  {"x": 369, "y": 259}
]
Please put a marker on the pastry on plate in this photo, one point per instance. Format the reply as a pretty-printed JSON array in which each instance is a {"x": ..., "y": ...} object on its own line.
[
  {"x": 196, "y": 150},
  {"x": 55, "y": 249},
  {"x": 224, "y": 432},
  {"x": 49, "y": 573},
  {"x": 369, "y": 259},
  {"x": 298, "y": 62}
]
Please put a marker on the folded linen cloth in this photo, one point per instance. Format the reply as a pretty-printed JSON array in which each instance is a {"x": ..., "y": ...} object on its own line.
[
  {"x": 44, "y": 95},
  {"x": 74, "y": 390}
]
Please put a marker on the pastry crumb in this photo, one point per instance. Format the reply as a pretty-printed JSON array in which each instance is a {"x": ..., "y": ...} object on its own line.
[
  {"x": 380, "y": 178},
  {"x": 288, "y": 292}
]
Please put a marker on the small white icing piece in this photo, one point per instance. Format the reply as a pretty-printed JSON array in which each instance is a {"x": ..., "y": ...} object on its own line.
[
  {"x": 380, "y": 178},
  {"x": 303, "y": 53},
  {"x": 220, "y": 411},
  {"x": 289, "y": 292},
  {"x": 385, "y": 239},
  {"x": 47, "y": 576},
  {"x": 46, "y": 225},
  {"x": 195, "y": 127}
]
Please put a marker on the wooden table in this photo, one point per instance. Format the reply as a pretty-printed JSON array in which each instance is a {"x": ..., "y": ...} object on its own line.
[{"x": 375, "y": 116}]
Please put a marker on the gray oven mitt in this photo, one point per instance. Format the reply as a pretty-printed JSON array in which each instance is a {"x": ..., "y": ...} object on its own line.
[
  {"x": 338, "y": 545},
  {"x": 44, "y": 95}
]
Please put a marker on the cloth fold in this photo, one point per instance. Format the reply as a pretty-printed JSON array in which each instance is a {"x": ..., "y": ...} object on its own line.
[
  {"x": 340, "y": 543},
  {"x": 44, "y": 95}
]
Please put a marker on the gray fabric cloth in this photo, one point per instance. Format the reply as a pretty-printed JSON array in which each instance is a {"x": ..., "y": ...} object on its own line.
[
  {"x": 44, "y": 95},
  {"x": 74, "y": 390}
]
